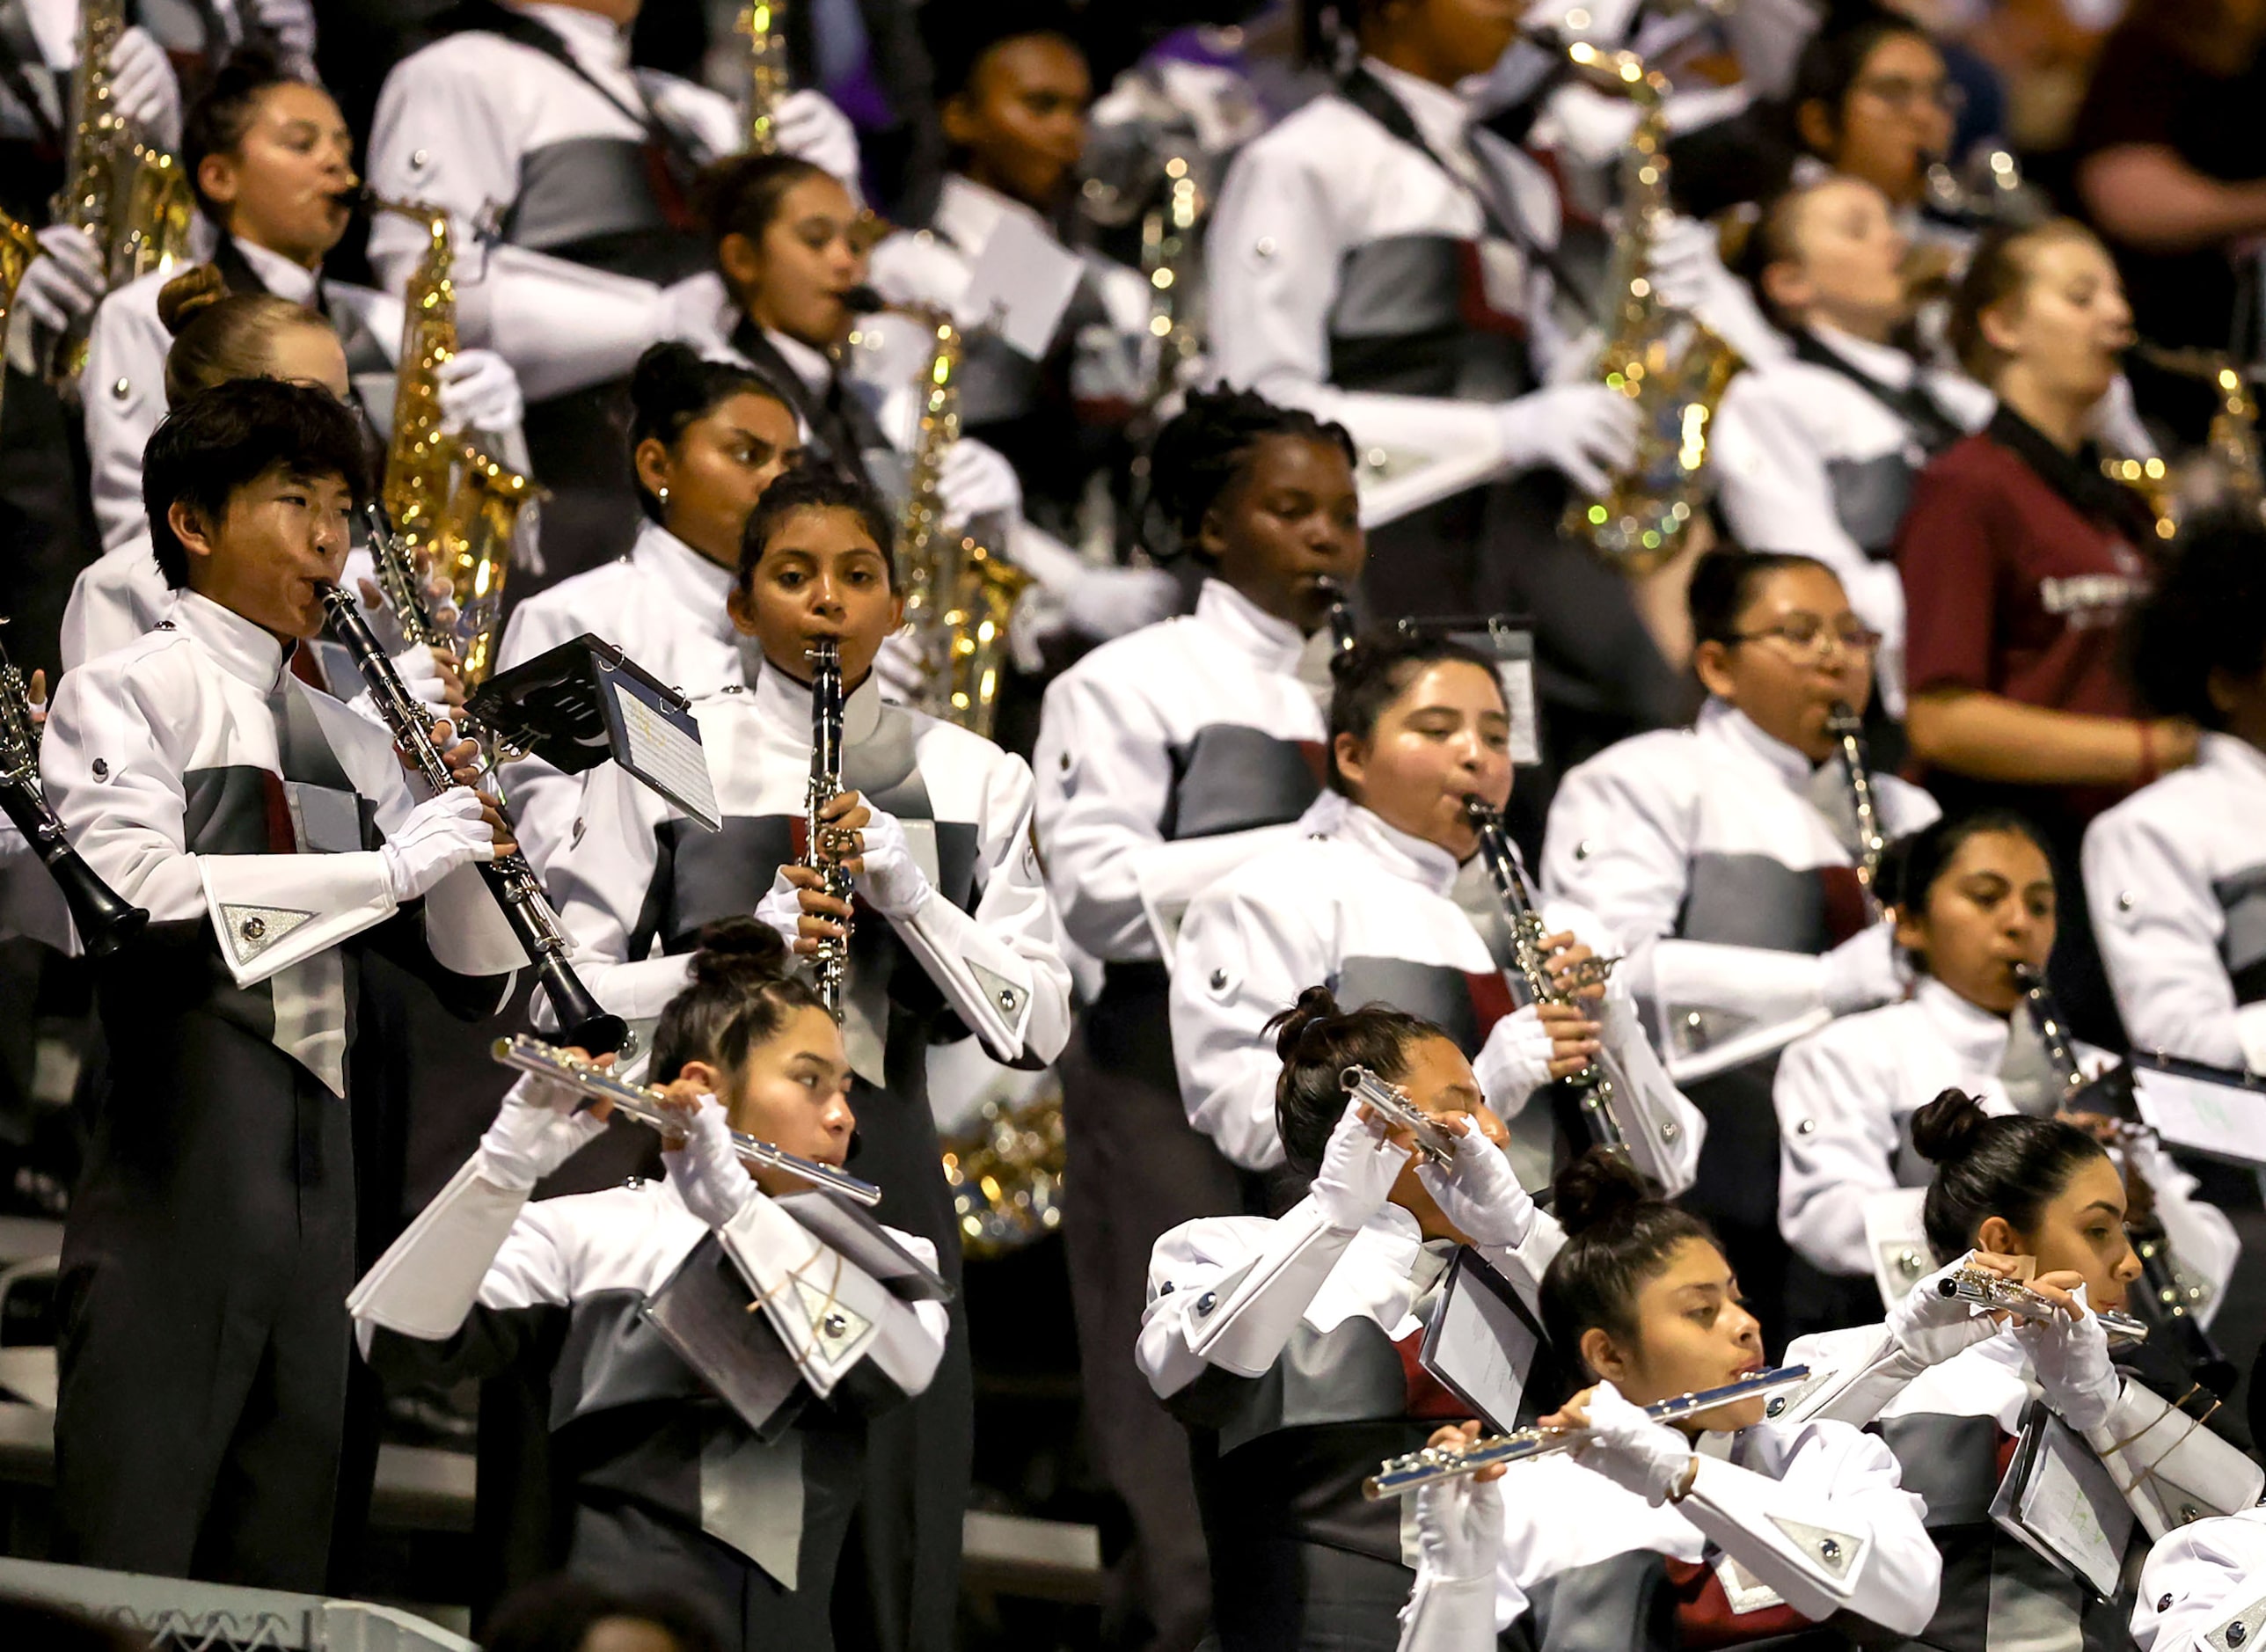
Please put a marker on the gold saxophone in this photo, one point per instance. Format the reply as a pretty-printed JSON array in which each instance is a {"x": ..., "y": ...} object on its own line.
[
  {"x": 960, "y": 595},
  {"x": 1671, "y": 366},
  {"x": 19, "y": 246},
  {"x": 764, "y": 24},
  {"x": 2227, "y": 471},
  {"x": 131, "y": 198},
  {"x": 447, "y": 498}
]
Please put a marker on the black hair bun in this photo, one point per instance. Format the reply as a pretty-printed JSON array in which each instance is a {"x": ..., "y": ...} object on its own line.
[
  {"x": 1596, "y": 1190},
  {"x": 742, "y": 952},
  {"x": 1948, "y": 1128},
  {"x": 1315, "y": 1012},
  {"x": 666, "y": 377}
]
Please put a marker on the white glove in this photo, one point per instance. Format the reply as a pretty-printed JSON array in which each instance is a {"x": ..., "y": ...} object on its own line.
[
  {"x": 898, "y": 666},
  {"x": 1460, "y": 1528},
  {"x": 538, "y": 1130},
  {"x": 63, "y": 284},
  {"x": 976, "y": 483},
  {"x": 706, "y": 1172},
  {"x": 1479, "y": 1194},
  {"x": 1109, "y": 602},
  {"x": 1631, "y": 1450},
  {"x": 781, "y": 907},
  {"x": 440, "y": 834},
  {"x": 692, "y": 312},
  {"x": 1687, "y": 272},
  {"x": 1931, "y": 1327},
  {"x": 1862, "y": 971},
  {"x": 1514, "y": 1061},
  {"x": 1587, "y": 431},
  {"x": 892, "y": 883},
  {"x": 2071, "y": 1358},
  {"x": 1359, "y": 1166},
  {"x": 143, "y": 89},
  {"x": 422, "y": 678},
  {"x": 479, "y": 391},
  {"x": 292, "y": 22},
  {"x": 809, "y": 127}
]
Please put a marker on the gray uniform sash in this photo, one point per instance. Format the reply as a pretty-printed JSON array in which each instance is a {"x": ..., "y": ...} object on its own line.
[
  {"x": 592, "y": 201},
  {"x": 1231, "y": 778},
  {"x": 1870, "y": 497},
  {"x": 2243, "y": 897},
  {"x": 1410, "y": 319}
]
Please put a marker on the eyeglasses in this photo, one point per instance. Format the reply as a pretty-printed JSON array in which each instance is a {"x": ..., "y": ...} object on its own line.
[
  {"x": 1806, "y": 633},
  {"x": 1901, "y": 92}
]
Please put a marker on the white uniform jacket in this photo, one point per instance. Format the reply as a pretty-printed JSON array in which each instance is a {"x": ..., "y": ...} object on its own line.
[
  {"x": 663, "y": 606},
  {"x": 125, "y": 378},
  {"x": 203, "y": 781},
  {"x": 986, "y": 937},
  {"x": 1811, "y": 461},
  {"x": 1330, "y": 233},
  {"x": 1845, "y": 1097},
  {"x": 1375, "y": 915},
  {"x": 2175, "y": 875},
  {"x": 1808, "y": 1516},
  {"x": 1167, "y": 758},
  {"x": 1711, "y": 852},
  {"x": 2200, "y": 1582}
]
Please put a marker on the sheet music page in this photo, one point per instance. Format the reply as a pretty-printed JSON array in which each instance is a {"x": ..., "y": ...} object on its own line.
[
  {"x": 668, "y": 758},
  {"x": 2191, "y": 1112},
  {"x": 1021, "y": 285},
  {"x": 2060, "y": 1510},
  {"x": 1482, "y": 1348}
]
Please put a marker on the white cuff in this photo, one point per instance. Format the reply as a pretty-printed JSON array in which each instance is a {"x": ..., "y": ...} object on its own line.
[
  {"x": 2171, "y": 1468},
  {"x": 466, "y": 929},
  {"x": 271, "y": 911},
  {"x": 829, "y": 1313},
  {"x": 993, "y": 988},
  {"x": 1242, "y": 1322},
  {"x": 429, "y": 1278},
  {"x": 1854, "y": 1375}
]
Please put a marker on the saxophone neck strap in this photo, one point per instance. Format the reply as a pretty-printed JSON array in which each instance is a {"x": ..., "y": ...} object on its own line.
[{"x": 1931, "y": 427}]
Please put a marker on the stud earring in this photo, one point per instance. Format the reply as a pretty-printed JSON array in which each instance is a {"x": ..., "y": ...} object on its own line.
[{"x": 664, "y": 499}]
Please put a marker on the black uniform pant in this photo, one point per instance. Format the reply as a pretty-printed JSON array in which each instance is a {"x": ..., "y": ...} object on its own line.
[
  {"x": 1735, "y": 1186},
  {"x": 205, "y": 1338},
  {"x": 1136, "y": 1169}
]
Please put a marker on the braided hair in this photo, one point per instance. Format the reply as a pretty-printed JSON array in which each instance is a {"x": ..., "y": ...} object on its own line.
[
  {"x": 1317, "y": 1041},
  {"x": 1206, "y": 451},
  {"x": 1619, "y": 1233},
  {"x": 744, "y": 986}
]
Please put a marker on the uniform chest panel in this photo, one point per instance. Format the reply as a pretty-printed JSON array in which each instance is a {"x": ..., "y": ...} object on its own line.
[{"x": 1230, "y": 778}]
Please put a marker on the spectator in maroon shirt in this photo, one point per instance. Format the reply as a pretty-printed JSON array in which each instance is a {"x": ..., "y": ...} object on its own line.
[{"x": 2021, "y": 560}]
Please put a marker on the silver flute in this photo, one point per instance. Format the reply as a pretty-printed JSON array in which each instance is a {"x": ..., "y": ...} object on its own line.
[
  {"x": 1848, "y": 728},
  {"x": 1989, "y": 1290},
  {"x": 1400, "y": 1476},
  {"x": 639, "y": 1102},
  {"x": 1433, "y": 1140}
]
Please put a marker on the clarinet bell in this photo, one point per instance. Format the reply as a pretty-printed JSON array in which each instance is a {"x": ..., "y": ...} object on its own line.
[
  {"x": 583, "y": 1023},
  {"x": 105, "y": 922}
]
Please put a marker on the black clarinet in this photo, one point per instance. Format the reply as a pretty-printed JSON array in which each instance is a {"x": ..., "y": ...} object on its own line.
[
  {"x": 583, "y": 1023},
  {"x": 1344, "y": 633},
  {"x": 103, "y": 918}
]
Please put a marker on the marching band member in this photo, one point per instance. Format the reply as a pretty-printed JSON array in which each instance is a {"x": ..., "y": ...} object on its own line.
[
  {"x": 1815, "y": 453},
  {"x": 1810, "y": 1514},
  {"x": 1378, "y": 259},
  {"x": 707, "y": 438},
  {"x": 1165, "y": 758},
  {"x": 529, "y": 112},
  {"x": 744, "y": 1514},
  {"x": 1385, "y": 899},
  {"x": 1723, "y": 856},
  {"x": 1874, "y": 100},
  {"x": 2191, "y": 1579},
  {"x": 1287, "y": 1347},
  {"x": 2026, "y": 560},
  {"x": 1974, "y": 901},
  {"x": 2175, "y": 870},
  {"x": 272, "y": 161},
  {"x": 204, "y": 1357},
  {"x": 954, "y": 918},
  {"x": 2042, "y": 1189}
]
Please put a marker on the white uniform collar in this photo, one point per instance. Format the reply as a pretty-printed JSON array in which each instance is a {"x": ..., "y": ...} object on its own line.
[
  {"x": 1974, "y": 1033},
  {"x": 783, "y": 700},
  {"x": 239, "y": 647},
  {"x": 1442, "y": 119},
  {"x": 1882, "y": 363},
  {"x": 695, "y": 584},
  {"x": 1414, "y": 859},
  {"x": 278, "y": 275},
  {"x": 1724, "y": 721},
  {"x": 1272, "y": 644},
  {"x": 967, "y": 212},
  {"x": 2235, "y": 758},
  {"x": 810, "y": 365},
  {"x": 596, "y": 43}
]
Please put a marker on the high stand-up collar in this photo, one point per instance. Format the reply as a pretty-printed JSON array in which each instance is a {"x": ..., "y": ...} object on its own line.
[
  {"x": 1417, "y": 859},
  {"x": 1882, "y": 363},
  {"x": 597, "y": 44},
  {"x": 786, "y": 704},
  {"x": 2235, "y": 758},
  {"x": 698, "y": 585},
  {"x": 1976, "y": 1035},
  {"x": 1719, "y": 719},
  {"x": 1273, "y": 644},
  {"x": 278, "y": 275},
  {"x": 244, "y": 650},
  {"x": 1442, "y": 116},
  {"x": 967, "y": 212}
]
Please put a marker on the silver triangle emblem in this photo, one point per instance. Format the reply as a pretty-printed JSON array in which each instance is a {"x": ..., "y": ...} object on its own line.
[
  {"x": 253, "y": 930},
  {"x": 836, "y": 1330},
  {"x": 1833, "y": 1553},
  {"x": 1002, "y": 993},
  {"x": 2241, "y": 1631}
]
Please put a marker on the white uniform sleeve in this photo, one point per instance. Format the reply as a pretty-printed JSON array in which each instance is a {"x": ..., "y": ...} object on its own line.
[
  {"x": 598, "y": 882},
  {"x": 2199, "y": 1580},
  {"x": 829, "y": 1313},
  {"x": 1001, "y": 966},
  {"x": 1853, "y": 1374},
  {"x": 124, "y": 388},
  {"x": 1230, "y": 1292},
  {"x": 1837, "y": 1144},
  {"x": 1273, "y": 250},
  {"x": 1836, "y": 1532},
  {"x": 429, "y": 1278},
  {"x": 2161, "y": 947},
  {"x": 1240, "y": 962}
]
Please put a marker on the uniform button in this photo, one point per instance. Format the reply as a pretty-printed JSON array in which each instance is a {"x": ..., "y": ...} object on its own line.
[
  {"x": 2236, "y": 1635},
  {"x": 1065, "y": 762},
  {"x": 1006, "y": 1000},
  {"x": 1166, "y": 1288},
  {"x": 1218, "y": 979},
  {"x": 1207, "y": 1302},
  {"x": 121, "y": 389},
  {"x": 2124, "y": 900},
  {"x": 2164, "y": 1605},
  {"x": 419, "y": 159},
  {"x": 1807, "y": 1127},
  {"x": 252, "y": 928},
  {"x": 1265, "y": 247},
  {"x": 1829, "y": 1550},
  {"x": 834, "y": 1324},
  {"x": 102, "y": 767},
  {"x": 1582, "y": 849}
]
